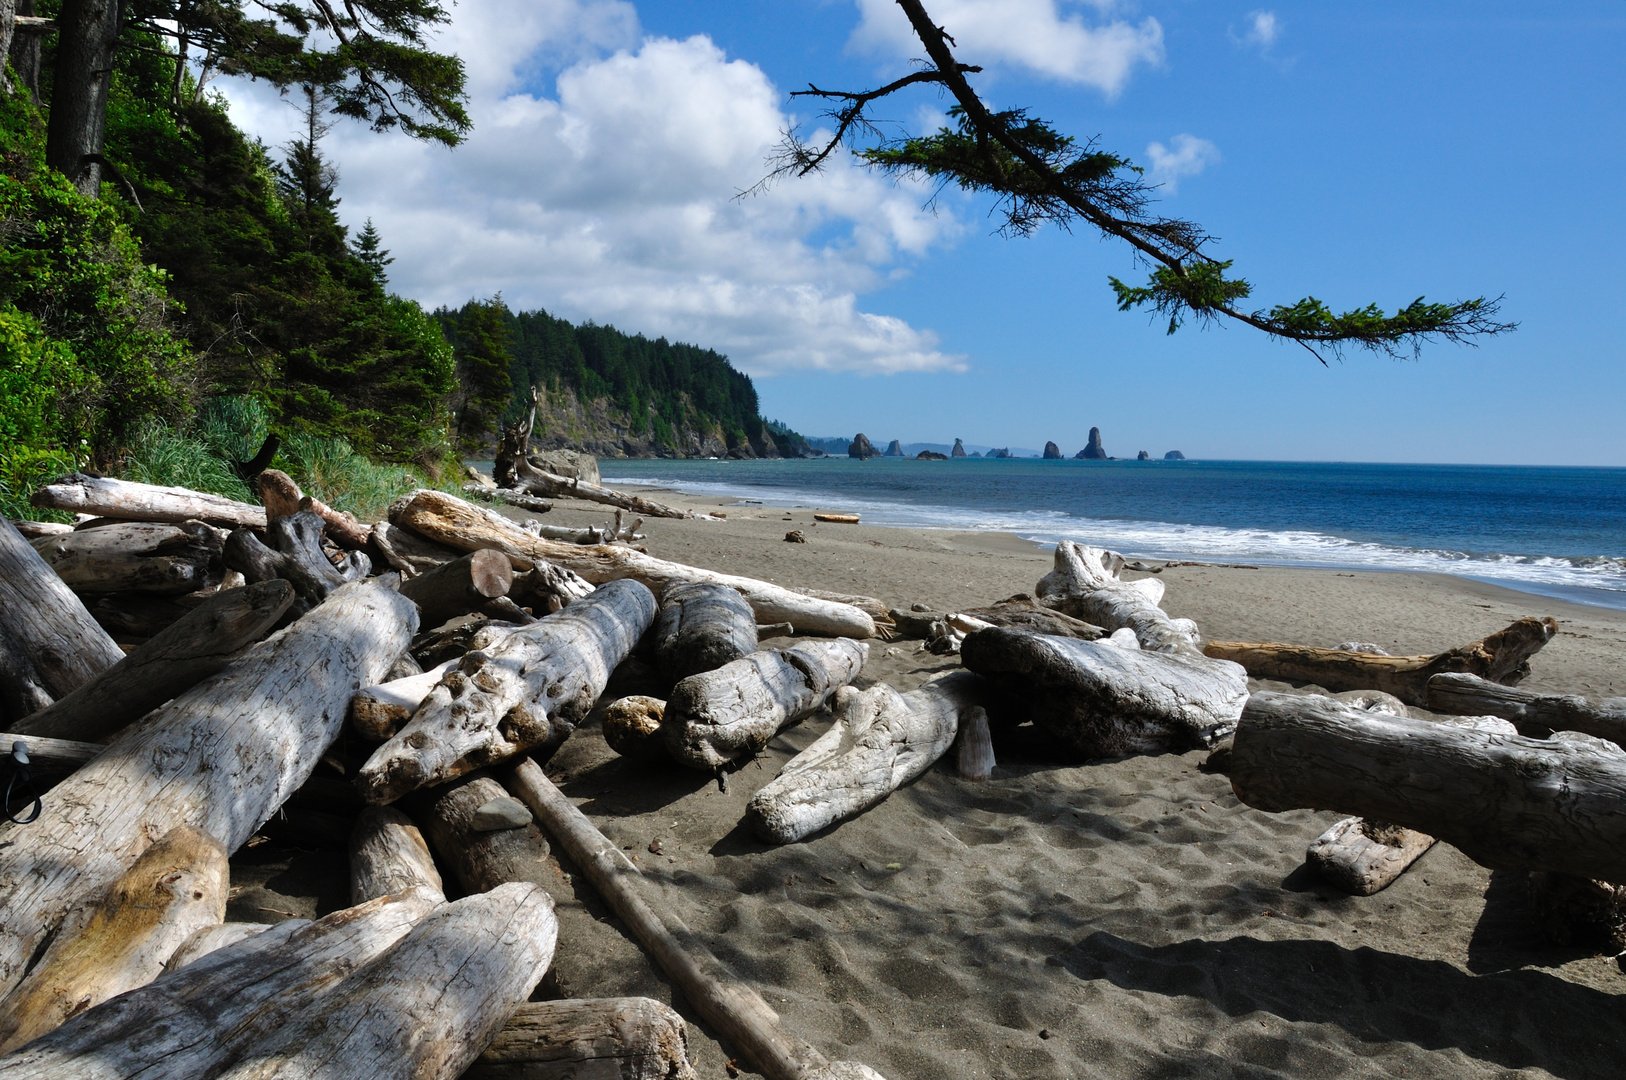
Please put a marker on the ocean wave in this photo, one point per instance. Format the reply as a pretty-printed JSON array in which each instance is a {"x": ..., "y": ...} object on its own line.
[{"x": 1591, "y": 579}]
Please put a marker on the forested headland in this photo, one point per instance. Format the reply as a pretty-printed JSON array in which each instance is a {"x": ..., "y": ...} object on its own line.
[{"x": 203, "y": 294}]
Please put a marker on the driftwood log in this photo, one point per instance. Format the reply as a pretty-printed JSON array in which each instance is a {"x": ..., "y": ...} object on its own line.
[
  {"x": 101, "y": 496},
  {"x": 608, "y": 533},
  {"x": 1084, "y": 583},
  {"x": 529, "y": 478},
  {"x": 701, "y": 627},
  {"x": 426, "y": 1008},
  {"x": 51, "y": 759},
  {"x": 202, "y": 642},
  {"x": 477, "y": 860},
  {"x": 408, "y": 552},
  {"x": 1019, "y": 612},
  {"x": 1102, "y": 700},
  {"x": 177, "y": 887},
  {"x": 209, "y": 939},
  {"x": 387, "y": 855},
  {"x": 509, "y": 496},
  {"x": 1503, "y": 657},
  {"x": 459, "y": 587},
  {"x": 1532, "y": 713},
  {"x": 296, "y": 556},
  {"x": 136, "y": 557},
  {"x": 1506, "y": 801},
  {"x": 221, "y": 757},
  {"x": 200, "y": 1019},
  {"x": 527, "y": 694},
  {"x": 378, "y": 712},
  {"x": 736, "y": 1011},
  {"x": 282, "y": 498},
  {"x": 546, "y": 588},
  {"x": 449, "y": 520},
  {"x": 588, "y": 1039},
  {"x": 632, "y": 727},
  {"x": 47, "y": 638},
  {"x": 717, "y": 718},
  {"x": 880, "y": 740}
]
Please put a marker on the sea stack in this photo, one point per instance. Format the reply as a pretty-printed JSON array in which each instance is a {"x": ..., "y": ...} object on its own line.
[
  {"x": 1174, "y": 455},
  {"x": 1002, "y": 453},
  {"x": 1094, "y": 451},
  {"x": 1052, "y": 452},
  {"x": 893, "y": 449},
  {"x": 1143, "y": 456},
  {"x": 861, "y": 448},
  {"x": 959, "y": 449}
]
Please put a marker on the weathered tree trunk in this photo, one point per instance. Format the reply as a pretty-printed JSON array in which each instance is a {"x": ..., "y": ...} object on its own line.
[
  {"x": 426, "y": 1008},
  {"x": 208, "y": 939},
  {"x": 1532, "y": 713},
  {"x": 588, "y": 1039},
  {"x": 34, "y": 530},
  {"x": 297, "y": 557},
  {"x": 1506, "y": 801},
  {"x": 450, "y": 520},
  {"x": 101, "y": 496},
  {"x": 528, "y": 477},
  {"x": 881, "y": 740},
  {"x": 736, "y": 1011},
  {"x": 378, "y": 712},
  {"x": 527, "y": 694},
  {"x": 480, "y": 861},
  {"x": 8, "y": 25},
  {"x": 718, "y": 717},
  {"x": 1504, "y": 657},
  {"x": 221, "y": 757},
  {"x": 22, "y": 687},
  {"x": 282, "y": 498},
  {"x": 51, "y": 759},
  {"x": 139, "y": 557},
  {"x": 199, "y": 1019},
  {"x": 25, "y": 47},
  {"x": 43, "y": 623},
  {"x": 176, "y": 887},
  {"x": 459, "y": 587},
  {"x": 1105, "y": 701},
  {"x": 509, "y": 496},
  {"x": 387, "y": 855},
  {"x": 975, "y": 758},
  {"x": 450, "y": 642},
  {"x": 1084, "y": 584},
  {"x": 1020, "y": 613},
  {"x": 700, "y": 628},
  {"x": 200, "y": 644},
  {"x": 408, "y": 552},
  {"x": 632, "y": 727},
  {"x": 88, "y": 31},
  {"x": 607, "y": 533},
  {"x": 546, "y": 588}
]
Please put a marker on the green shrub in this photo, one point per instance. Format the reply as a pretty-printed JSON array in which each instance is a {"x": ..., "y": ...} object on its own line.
[
  {"x": 331, "y": 470},
  {"x": 158, "y": 454}
]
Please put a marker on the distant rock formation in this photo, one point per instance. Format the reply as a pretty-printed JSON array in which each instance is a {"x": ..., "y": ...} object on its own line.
[
  {"x": 861, "y": 448},
  {"x": 1052, "y": 452},
  {"x": 1005, "y": 453},
  {"x": 570, "y": 464},
  {"x": 893, "y": 449},
  {"x": 931, "y": 455},
  {"x": 959, "y": 449},
  {"x": 1094, "y": 451},
  {"x": 974, "y": 453},
  {"x": 1174, "y": 455},
  {"x": 1143, "y": 456}
]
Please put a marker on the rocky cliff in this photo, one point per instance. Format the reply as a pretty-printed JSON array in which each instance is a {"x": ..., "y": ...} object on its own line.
[
  {"x": 600, "y": 428},
  {"x": 1094, "y": 451},
  {"x": 893, "y": 449},
  {"x": 1052, "y": 452},
  {"x": 861, "y": 448}
]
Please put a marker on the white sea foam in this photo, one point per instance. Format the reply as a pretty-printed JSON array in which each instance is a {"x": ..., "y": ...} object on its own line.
[{"x": 1597, "y": 580}]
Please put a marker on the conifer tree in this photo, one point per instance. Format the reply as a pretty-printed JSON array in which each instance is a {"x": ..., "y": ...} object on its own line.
[{"x": 370, "y": 252}]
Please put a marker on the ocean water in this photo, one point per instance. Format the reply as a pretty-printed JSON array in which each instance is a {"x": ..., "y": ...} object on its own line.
[{"x": 1554, "y": 531}]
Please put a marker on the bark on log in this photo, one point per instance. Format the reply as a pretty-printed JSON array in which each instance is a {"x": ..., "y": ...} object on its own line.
[
  {"x": 137, "y": 557},
  {"x": 209, "y": 939},
  {"x": 388, "y": 854},
  {"x": 527, "y": 694},
  {"x": 1532, "y": 713},
  {"x": 1506, "y": 801},
  {"x": 282, "y": 498},
  {"x": 200, "y": 1019},
  {"x": 588, "y": 1039},
  {"x": 378, "y": 712},
  {"x": 204, "y": 640},
  {"x": 529, "y": 478},
  {"x": 736, "y": 1011},
  {"x": 459, "y": 587},
  {"x": 449, "y": 520},
  {"x": 222, "y": 757},
  {"x": 880, "y": 740},
  {"x": 632, "y": 727},
  {"x": 480, "y": 861},
  {"x": 426, "y": 1008},
  {"x": 46, "y": 624},
  {"x": 1503, "y": 657},
  {"x": 296, "y": 556},
  {"x": 700, "y": 628},
  {"x": 101, "y": 496},
  {"x": 1103, "y": 701},
  {"x": 1084, "y": 584},
  {"x": 719, "y": 717},
  {"x": 408, "y": 552},
  {"x": 177, "y": 887}
]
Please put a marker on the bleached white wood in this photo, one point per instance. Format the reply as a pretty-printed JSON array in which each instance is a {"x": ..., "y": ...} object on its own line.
[
  {"x": 101, "y": 496},
  {"x": 377, "y": 712},
  {"x": 208, "y": 939},
  {"x": 138, "y": 557},
  {"x": 45, "y": 626},
  {"x": 388, "y": 854}
]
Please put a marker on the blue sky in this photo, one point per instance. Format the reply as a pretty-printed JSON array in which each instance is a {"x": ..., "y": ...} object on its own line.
[{"x": 1366, "y": 152}]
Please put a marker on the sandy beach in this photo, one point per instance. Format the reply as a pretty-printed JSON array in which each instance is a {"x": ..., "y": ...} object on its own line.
[{"x": 1125, "y": 919}]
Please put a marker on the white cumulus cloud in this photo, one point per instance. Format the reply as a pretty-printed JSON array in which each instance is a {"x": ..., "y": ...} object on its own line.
[
  {"x": 1263, "y": 30},
  {"x": 610, "y": 195},
  {"x": 1186, "y": 155},
  {"x": 1034, "y": 34}
]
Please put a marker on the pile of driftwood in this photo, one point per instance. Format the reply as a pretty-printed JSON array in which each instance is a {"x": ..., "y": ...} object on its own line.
[{"x": 180, "y": 669}]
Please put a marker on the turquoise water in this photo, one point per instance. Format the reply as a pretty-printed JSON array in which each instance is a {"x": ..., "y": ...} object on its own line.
[{"x": 1555, "y": 531}]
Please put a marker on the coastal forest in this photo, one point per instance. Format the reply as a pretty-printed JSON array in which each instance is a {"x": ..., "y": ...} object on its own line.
[{"x": 194, "y": 291}]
